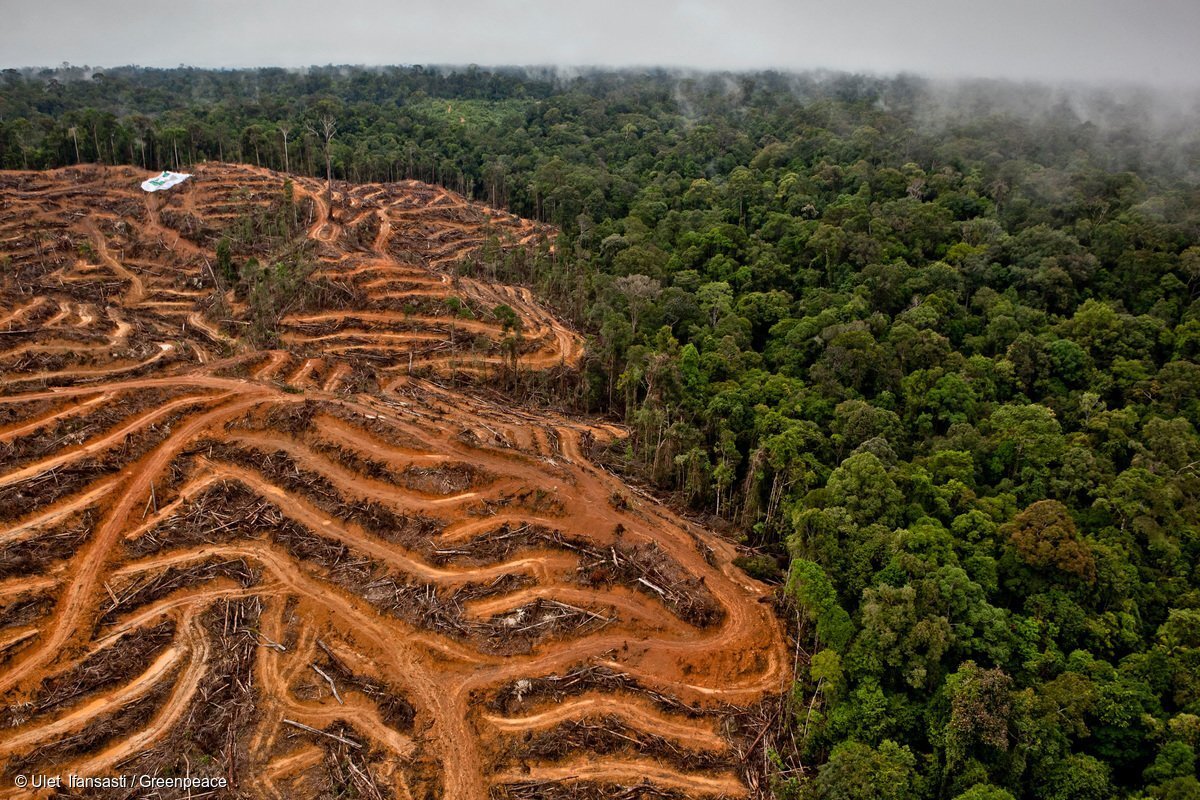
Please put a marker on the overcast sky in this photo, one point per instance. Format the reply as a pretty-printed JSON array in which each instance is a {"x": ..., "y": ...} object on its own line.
[{"x": 1138, "y": 41}]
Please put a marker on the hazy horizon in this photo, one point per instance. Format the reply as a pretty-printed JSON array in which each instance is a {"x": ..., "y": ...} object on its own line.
[{"x": 1104, "y": 42}]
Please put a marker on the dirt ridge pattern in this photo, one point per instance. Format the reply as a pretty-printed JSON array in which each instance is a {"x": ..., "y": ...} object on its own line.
[{"x": 312, "y": 563}]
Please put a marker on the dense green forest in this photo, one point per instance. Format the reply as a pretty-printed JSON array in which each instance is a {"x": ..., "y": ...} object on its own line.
[{"x": 933, "y": 351}]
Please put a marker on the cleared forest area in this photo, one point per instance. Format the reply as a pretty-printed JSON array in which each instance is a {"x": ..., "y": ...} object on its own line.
[{"x": 259, "y": 520}]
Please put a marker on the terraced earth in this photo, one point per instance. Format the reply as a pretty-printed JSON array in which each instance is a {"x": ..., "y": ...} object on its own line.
[{"x": 310, "y": 558}]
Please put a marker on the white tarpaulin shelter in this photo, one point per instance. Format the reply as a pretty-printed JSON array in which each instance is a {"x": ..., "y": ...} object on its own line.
[{"x": 165, "y": 181}]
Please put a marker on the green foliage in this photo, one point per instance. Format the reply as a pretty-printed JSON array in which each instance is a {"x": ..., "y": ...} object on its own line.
[
  {"x": 982, "y": 791},
  {"x": 225, "y": 260},
  {"x": 808, "y": 585},
  {"x": 762, "y": 567},
  {"x": 948, "y": 363},
  {"x": 857, "y": 771},
  {"x": 1175, "y": 760},
  {"x": 862, "y": 486},
  {"x": 1077, "y": 777},
  {"x": 273, "y": 291}
]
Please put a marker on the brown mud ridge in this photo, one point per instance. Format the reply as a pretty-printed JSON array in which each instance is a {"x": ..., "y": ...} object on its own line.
[{"x": 315, "y": 570}]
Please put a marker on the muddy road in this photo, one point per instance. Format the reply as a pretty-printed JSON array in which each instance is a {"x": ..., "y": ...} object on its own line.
[{"x": 329, "y": 565}]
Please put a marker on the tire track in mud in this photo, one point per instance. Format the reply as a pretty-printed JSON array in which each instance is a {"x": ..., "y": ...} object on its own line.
[{"x": 440, "y": 578}]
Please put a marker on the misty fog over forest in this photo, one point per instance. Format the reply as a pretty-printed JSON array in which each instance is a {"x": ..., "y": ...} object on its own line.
[{"x": 1098, "y": 42}]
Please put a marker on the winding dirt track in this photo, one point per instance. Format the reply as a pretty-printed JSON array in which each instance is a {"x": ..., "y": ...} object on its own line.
[{"x": 326, "y": 568}]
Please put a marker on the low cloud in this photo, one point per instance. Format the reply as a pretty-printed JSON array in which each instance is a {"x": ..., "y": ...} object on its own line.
[{"x": 1101, "y": 41}]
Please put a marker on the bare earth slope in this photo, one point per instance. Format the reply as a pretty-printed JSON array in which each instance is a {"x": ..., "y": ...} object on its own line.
[{"x": 315, "y": 570}]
